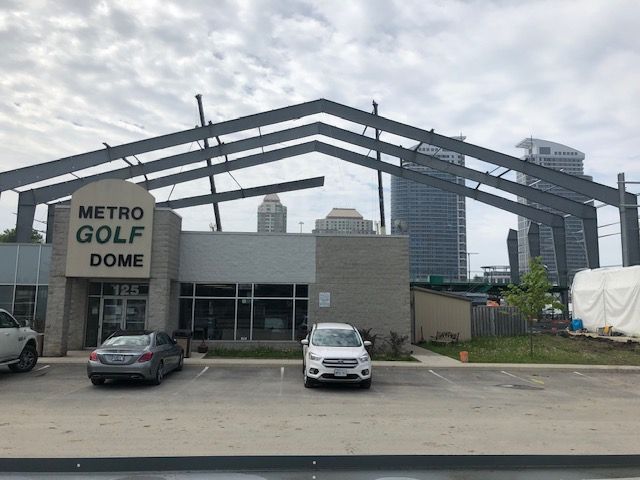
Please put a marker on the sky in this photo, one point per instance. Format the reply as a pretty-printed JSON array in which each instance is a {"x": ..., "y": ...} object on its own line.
[{"x": 75, "y": 74}]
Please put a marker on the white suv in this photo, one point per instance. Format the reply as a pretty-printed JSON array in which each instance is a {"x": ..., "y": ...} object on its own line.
[
  {"x": 17, "y": 344},
  {"x": 335, "y": 352}
]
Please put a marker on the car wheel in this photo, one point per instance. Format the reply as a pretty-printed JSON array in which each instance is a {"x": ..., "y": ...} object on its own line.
[
  {"x": 180, "y": 363},
  {"x": 27, "y": 360},
  {"x": 97, "y": 381},
  {"x": 309, "y": 382},
  {"x": 366, "y": 384},
  {"x": 159, "y": 374}
]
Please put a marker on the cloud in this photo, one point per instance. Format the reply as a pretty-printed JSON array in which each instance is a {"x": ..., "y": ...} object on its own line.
[{"x": 76, "y": 74}]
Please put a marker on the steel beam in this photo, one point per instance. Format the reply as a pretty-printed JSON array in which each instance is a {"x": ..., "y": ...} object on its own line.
[
  {"x": 533, "y": 239},
  {"x": 59, "y": 190},
  {"x": 512, "y": 248},
  {"x": 532, "y": 213},
  {"x": 42, "y": 171},
  {"x": 244, "y": 193},
  {"x": 51, "y": 213},
  {"x": 552, "y": 200},
  {"x": 560, "y": 247},
  {"x": 591, "y": 243}
]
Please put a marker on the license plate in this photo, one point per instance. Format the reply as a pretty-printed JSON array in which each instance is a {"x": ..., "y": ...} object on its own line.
[
  {"x": 117, "y": 358},
  {"x": 340, "y": 372}
]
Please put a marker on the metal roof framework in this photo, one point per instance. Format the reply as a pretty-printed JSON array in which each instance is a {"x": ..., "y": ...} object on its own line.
[{"x": 30, "y": 198}]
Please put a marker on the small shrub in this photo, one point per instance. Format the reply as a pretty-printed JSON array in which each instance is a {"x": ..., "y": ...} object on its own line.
[{"x": 396, "y": 343}]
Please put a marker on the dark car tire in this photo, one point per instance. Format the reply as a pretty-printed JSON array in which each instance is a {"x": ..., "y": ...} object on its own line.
[
  {"x": 159, "y": 374},
  {"x": 97, "y": 381},
  {"x": 27, "y": 360},
  {"x": 366, "y": 384},
  {"x": 180, "y": 363},
  {"x": 309, "y": 382}
]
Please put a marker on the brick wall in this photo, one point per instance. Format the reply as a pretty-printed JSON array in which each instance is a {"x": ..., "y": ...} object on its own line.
[{"x": 368, "y": 279}]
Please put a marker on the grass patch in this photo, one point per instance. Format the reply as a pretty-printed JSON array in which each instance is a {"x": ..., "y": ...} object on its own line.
[
  {"x": 387, "y": 357},
  {"x": 272, "y": 353},
  {"x": 258, "y": 352},
  {"x": 546, "y": 349}
]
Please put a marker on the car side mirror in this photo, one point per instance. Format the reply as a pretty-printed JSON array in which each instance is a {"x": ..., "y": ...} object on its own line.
[
  {"x": 304, "y": 341},
  {"x": 367, "y": 343}
]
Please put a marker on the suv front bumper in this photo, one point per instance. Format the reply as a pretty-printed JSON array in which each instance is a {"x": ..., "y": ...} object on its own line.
[{"x": 319, "y": 372}]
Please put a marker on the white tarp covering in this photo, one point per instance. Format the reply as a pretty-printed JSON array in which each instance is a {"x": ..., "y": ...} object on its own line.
[{"x": 608, "y": 296}]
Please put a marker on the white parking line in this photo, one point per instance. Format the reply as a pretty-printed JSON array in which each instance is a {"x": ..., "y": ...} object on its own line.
[
  {"x": 523, "y": 379},
  {"x": 202, "y": 372},
  {"x": 42, "y": 368},
  {"x": 440, "y": 376}
]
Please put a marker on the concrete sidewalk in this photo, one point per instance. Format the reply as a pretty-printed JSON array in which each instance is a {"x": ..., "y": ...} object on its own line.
[{"x": 426, "y": 359}]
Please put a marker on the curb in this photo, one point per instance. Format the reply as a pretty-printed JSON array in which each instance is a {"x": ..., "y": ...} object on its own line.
[{"x": 467, "y": 366}]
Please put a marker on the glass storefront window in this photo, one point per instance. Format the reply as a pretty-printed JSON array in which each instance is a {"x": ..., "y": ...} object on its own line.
[
  {"x": 272, "y": 319},
  {"x": 95, "y": 288},
  {"x": 186, "y": 314},
  {"x": 302, "y": 319},
  {"x": 186, "y": 289},
  {"x": 125, "y": 289},
  {"x": 41, "y": 308},
  {"x": 244, "y": 290},
  {"x": 242, "y": 315},
  {"x": 214, "y": 319},
  {"x": 216, "y": 290},
  {"x": 25, "y": 302},
  {"x": 273, "y": 290},
  {"x": 93, "y": 319},
  {"x": 243, "y": 331},
  {"x": 6, "y": 297}
]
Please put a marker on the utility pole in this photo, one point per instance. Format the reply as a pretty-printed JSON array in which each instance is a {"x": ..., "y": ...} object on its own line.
[
  {"x": 212, "y": 183},
  {"x": 380, "y": 189},
  {"x": 469, "y": 265}
]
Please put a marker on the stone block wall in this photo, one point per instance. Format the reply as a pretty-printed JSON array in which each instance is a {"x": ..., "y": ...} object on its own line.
[{"x": 368, "y": 280}]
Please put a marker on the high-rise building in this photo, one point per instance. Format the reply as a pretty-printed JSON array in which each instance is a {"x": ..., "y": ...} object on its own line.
[
  {"x": 345, "y": 221},
  {"x": 272, "y": 215},
  {"x": 434, "y": 219},
  {"x": 568, "y": 160}
]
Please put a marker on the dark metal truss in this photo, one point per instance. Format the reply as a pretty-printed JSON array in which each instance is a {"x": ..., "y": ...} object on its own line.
[{"x": 28, "y": 199}]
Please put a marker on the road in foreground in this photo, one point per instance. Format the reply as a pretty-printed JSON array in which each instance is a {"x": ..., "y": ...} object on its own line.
[{"x": 247, "y": 410}]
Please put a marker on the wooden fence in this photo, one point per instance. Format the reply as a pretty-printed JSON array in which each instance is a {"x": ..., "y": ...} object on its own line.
[{"x": 497, "y": 322}]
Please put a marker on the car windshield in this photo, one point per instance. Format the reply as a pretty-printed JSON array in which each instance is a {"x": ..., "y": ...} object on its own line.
[
  {"x": 335, "y": 337},
  {"x": 129, "y": 341}
]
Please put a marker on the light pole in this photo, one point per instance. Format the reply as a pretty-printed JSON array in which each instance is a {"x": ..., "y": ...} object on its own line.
[{"x": 469, "y": 265}]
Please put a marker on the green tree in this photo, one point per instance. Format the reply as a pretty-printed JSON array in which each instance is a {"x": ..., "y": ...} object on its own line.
[
  {"x": 9, "y": 236},
  {"x": 532, "y": 295}
]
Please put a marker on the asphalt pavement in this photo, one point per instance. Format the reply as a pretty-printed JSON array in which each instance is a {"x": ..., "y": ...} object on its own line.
[{"x": 54, "y": 411}]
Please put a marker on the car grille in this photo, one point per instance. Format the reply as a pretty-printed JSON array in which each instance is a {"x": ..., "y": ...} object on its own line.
[
  {"x": 331, "y": 376},
  {"x": 340, "y": 362}
]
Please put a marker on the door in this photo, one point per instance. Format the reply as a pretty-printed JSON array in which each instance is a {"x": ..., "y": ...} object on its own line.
[
  {"x": 112, "y": 316},
  {"x": 136, "y": 314},
  {"x": 122, "y": 313},
  {"x": 9, "y": 343}
]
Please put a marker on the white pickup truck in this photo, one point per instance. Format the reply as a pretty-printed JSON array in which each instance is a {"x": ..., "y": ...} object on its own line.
[{"x": 17, "y": 344}]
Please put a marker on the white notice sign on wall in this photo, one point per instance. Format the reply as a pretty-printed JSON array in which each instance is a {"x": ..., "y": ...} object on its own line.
[{"x": 324, "y": 299}]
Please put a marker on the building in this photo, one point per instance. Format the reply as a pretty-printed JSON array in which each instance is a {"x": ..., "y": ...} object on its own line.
[
  {"x": 344, "y": 221},
  {"x": 118, "y": 262},
  {"x": 496, "y": 274},
  {"x": 434, "y": 219},
  {"x": 272, "y": 215},
  {"x": 568, "y": 160}
]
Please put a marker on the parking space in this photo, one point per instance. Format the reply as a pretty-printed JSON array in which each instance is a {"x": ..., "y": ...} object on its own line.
[{"x": 55, "y": 411}]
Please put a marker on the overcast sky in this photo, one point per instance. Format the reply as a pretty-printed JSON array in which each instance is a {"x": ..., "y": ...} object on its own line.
[{"x": 74, "y": 74}]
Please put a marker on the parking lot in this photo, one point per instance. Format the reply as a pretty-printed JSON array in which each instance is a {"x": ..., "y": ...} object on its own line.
[{"x": 248, "y": 409}]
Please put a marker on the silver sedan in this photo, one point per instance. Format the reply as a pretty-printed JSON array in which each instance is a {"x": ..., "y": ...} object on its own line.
[{"x": 142, "y": 355}]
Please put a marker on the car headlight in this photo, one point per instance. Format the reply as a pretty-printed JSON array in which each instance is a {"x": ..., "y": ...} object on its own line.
[
  {"x": 313, "y": 357},
  {"x": 364, "y": 358}
]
